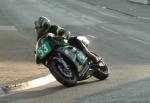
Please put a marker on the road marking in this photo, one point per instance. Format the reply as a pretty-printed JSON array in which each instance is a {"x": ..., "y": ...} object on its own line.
[
  {"x": 110, "y": 30},
  {"x": 28, "y": 85},
  {"x": 73, "y": 15},
  {"x": 41, "y": 81},
  {"x": 10, "y": 28},
  {"x": 141, "y": 41},
  {"x": 144, "y": 18},
  {"x": 89, "y": 18},
  {"x": 92, "y": 36},
  {"x": 104, "y": 7}
]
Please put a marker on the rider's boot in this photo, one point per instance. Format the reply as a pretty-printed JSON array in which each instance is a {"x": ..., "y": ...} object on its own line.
[{"x": 91, "y": 56}]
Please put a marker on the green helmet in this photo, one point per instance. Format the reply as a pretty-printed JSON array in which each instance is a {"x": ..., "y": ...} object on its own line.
[{"x": 42, "y": 25}]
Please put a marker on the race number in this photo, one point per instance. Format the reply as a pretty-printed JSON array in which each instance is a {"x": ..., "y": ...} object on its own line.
[{"x": 44, "y": 49}]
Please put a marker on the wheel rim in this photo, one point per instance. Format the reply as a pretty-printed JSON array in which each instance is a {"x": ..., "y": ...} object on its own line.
[{"x": 64, "y": 71}]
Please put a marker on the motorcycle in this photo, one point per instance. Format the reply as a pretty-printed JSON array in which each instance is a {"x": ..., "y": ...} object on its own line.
[{"x": 67, "y": 63}]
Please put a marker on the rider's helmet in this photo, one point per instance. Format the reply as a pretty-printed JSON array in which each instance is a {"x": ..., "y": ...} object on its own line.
[{"x": 42, "y": 25}]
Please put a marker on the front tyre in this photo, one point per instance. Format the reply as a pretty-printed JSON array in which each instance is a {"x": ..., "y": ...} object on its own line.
[{"x": 65, "y": 76}]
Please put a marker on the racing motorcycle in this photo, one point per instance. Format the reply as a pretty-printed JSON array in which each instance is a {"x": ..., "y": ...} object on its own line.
[{"x": 67, "y": 63}]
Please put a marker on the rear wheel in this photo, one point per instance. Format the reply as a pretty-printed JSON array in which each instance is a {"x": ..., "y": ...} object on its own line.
[
  {"x": 64, "y": 75},
  {"x": 101, "y": 72}
]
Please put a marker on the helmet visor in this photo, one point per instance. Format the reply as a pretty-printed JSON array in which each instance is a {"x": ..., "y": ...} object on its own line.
[{"x": 37, "y": 27}]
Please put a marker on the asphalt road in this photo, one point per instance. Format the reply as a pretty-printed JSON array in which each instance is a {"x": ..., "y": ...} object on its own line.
[{"x": 122, "y": 40}]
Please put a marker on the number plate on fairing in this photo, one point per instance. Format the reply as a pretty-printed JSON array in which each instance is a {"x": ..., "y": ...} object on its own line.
[{"x": 44, "y": 49}]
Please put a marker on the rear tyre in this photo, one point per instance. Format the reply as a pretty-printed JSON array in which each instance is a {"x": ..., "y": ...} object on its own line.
[
  {"x": 102, "y": 71},
  {"x": 65, "y": 76}
]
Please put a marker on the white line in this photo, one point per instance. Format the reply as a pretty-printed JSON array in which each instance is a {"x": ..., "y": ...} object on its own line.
[
  {"x": 109, "y": 14},
  {"x": 141, "y": 41},
  {"x": 91, "y": 36},
  {"x": 110, "y": 30},
  {"x": 73, "y": 15},
  {"x": 144, "y": 18},
  {"x": 89, "y": 18},
  {"x": 30, "y": 84},
  {"x": 41, "y": 81},
  {"x": 11, "y": 28},
  {"x": 104, "y": 7}
]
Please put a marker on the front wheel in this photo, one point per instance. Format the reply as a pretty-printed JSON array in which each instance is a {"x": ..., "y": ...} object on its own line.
[{"x": 65, "y": 76}]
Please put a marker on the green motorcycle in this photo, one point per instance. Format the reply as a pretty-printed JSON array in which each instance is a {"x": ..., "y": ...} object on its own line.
[{"x": 67, "y": 63}]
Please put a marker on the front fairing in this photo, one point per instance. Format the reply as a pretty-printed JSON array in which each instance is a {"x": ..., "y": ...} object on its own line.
[{"x": 43, "y": 48}]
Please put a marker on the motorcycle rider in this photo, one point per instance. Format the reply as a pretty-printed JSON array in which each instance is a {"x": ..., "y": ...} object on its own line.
[{"x": 43, "y": 27}]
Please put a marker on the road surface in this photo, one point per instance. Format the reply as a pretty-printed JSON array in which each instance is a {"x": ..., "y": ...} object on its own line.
[{"x": 122, "y": 40}]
